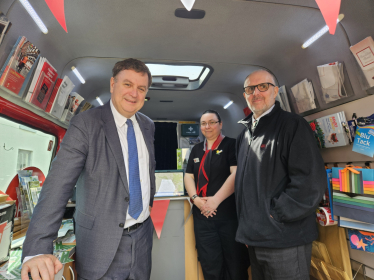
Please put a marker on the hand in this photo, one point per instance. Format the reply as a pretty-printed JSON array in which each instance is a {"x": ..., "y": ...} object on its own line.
[
  {"x": 208, "y": 209},
  {"x": 41, "y": 267},
  {"x": 150, "y": 209},
  {"x": 199, "y": 202}
]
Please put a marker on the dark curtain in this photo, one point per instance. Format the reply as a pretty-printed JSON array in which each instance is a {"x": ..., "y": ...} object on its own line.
[{"x": 166, "y": 145}]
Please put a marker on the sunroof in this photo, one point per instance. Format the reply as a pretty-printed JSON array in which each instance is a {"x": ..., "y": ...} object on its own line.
[
  {"x": 191, "y": 71},
  {"x": 179, "y": 77}
]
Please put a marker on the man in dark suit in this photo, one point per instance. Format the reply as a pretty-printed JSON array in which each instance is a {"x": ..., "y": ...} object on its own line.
[{"x": 108, "y": 153}]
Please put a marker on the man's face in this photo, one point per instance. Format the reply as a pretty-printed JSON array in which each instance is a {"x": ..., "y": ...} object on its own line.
[
  {"x": 128, "y": 90},
  {"x": 260, "y": 102}
]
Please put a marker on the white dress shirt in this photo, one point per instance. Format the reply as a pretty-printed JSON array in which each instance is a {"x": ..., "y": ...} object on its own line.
[
  {"x": 143, "y": 158},
  {"x": 264, "y": 114}
]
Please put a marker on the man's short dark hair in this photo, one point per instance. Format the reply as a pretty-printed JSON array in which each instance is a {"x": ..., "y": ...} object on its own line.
[
  {"x": 132, "y": 64},
  {"x": 212, "y": 112}
]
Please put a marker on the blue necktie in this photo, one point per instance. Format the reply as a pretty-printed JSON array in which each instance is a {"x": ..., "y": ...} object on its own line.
[{"x": 136, "y": 202}]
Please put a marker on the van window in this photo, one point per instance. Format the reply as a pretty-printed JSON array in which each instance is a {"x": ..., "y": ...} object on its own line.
[{"x": 21, "y": 147}]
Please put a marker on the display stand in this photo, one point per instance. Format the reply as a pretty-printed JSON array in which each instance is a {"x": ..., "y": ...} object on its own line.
[{"x": 8, "y": 95}]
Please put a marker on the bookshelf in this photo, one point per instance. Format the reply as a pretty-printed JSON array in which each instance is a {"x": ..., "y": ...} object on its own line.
[{"x": 8, "y": 95}]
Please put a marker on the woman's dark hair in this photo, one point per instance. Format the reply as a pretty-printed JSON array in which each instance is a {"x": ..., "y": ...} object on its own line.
[{"x": 213, "y": 112}]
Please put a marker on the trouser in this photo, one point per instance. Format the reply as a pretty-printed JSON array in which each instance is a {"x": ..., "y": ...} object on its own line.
[
  {"x": 133, "y": 259},
  {"x": 221, "y": 257},
  {"x": 281, "y": 264}
]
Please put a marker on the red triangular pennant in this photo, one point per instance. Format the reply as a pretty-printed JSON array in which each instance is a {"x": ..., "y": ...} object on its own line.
[
  {"x": 158, "y": 214},
  {"x": 57, "y": 9},
  {"x": 330, "y": 12}
]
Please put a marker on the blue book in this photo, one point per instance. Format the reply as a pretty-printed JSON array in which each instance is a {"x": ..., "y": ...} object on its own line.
[
  {"x": 364, "y": 140},
  {"x": 10, "y": 55}
]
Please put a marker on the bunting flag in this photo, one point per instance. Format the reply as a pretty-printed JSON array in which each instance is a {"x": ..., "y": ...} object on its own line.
[
  {"x": 57, "y": 9},
  {"x": 158, "y": 214},
  {"x": 330, "y": 12}
]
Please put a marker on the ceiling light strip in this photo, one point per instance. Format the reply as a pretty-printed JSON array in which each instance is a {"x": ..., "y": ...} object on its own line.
[
  {"x": 228, "y": 104},
  {"x": 319, "y": 34},
  {"x": 79, "y": 76},
  {"x": 99, "y": 100},
  {"x": 34, "y": 16}
]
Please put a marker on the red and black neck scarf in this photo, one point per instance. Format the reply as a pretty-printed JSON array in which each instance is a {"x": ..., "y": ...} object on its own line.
[{"x": 204, "y": 169}]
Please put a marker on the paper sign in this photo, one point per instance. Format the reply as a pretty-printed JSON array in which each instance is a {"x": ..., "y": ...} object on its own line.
[{"x": 166, "y": 187}]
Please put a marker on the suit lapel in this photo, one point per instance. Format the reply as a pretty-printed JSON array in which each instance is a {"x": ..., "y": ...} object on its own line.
[
  {"x": 144, "y": 127},
  {"x": 112, "y": 137}
]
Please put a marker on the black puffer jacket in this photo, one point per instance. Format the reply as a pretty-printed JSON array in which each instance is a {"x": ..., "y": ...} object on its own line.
[{"x": 280, "y": 173}]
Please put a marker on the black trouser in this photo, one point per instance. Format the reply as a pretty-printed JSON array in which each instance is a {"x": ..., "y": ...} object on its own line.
[
  {"x": 221, "y": 257},
  {"x": 281, "y": 264}
]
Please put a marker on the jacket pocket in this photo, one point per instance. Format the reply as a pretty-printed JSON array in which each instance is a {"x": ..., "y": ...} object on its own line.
[{"x": 84, "y": 220}]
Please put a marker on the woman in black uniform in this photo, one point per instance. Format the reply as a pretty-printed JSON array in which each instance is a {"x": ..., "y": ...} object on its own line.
[{"x": 209, "y": 181}]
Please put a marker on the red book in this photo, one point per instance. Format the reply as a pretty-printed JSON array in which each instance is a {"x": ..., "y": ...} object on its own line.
[
  {"x": 53, "y": 96},
  {"x": 44, "y": 86},
  {"x": 19, "y": 65}
]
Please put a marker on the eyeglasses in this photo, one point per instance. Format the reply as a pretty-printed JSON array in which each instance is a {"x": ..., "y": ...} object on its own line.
[
  {"x": 261, "y": 87},
  {"x": 204, "y": 124}
]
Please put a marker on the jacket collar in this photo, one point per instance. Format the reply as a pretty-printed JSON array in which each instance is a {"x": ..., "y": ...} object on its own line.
[{"x": 248, "y": 119}]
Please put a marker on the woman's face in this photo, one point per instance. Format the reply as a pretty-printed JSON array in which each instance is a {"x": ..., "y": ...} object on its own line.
[{"x": 209, "y": 125}]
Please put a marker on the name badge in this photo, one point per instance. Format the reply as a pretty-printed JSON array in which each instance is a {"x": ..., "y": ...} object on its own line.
[{"x": 196, "y": 160}]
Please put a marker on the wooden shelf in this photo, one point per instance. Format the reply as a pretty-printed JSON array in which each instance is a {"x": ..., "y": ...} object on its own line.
[{"x": 10, "y": 96}]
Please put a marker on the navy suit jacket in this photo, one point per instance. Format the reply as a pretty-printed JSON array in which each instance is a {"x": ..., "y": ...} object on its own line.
[{"x": 91, "y": 158}]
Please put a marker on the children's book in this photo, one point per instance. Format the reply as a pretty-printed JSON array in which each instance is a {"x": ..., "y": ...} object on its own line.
[{"x": 329, "y": 131}]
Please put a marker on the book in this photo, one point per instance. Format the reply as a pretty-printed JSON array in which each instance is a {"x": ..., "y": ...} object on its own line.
[
  {"x": 52, "y": 99},
  {"x": 354, "y": 224},
  {"x": 363, "y": 51},
  {"x": 4, "y": 26},
  {"x": 364, "y": 140},
  {"x": 44, "y": 86},
  {"x": 76, "y": 101},
  {"x": 35, "y": 189},
  {"x": 86, "y": 106},
  {"x": 71, "y": 106},
  {"x": 304, "y": 96},
  {"x": 19, "y": 65},
  {"x": 63, "y": 93},
  {"x": 331, "y": 77},
  {"x": 361, "y": 240},
  {"x": 329, "y": 131},
  {"x": 9, "y": 56},
  {"x": 282, "y": 93}
]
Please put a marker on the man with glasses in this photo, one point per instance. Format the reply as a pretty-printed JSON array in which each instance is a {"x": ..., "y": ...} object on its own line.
[{"x": 279, "y": 182}]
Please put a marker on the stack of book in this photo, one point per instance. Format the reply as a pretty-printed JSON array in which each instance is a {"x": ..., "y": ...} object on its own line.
[{"x": 33, "y": 78}]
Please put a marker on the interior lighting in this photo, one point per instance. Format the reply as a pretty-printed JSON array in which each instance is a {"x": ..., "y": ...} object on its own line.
[
  {"x": 34, "y": 15},
  {"x": 79, "y": 76},
  {"x": 316, "y": 36},
  {"x": 99, "y": 100},
  {"x": 228, "y": 105},
  {"x": 188, "y": 4}
]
